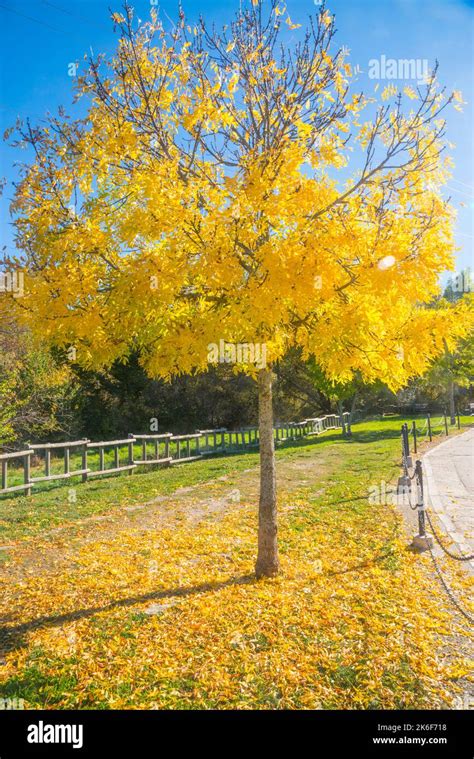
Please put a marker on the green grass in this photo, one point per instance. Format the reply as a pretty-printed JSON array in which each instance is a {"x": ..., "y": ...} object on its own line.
[
  {"x": 56, "y": 503},
  {"x": 357, "y": 633}
]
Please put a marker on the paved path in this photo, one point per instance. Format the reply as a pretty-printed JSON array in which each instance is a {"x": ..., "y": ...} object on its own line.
[{"x": 449, "y": 486}]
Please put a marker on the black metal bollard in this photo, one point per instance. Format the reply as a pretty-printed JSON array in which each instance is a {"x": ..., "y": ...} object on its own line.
[
  {"x": 406, "y": 458},
  {"x": 407, "y": 442},
  {"x": 421, "y": 502},
  {"x": 446, "y": 424},
  {"x": 413, "y": 429},
  {"x": 429, "y": 428}
]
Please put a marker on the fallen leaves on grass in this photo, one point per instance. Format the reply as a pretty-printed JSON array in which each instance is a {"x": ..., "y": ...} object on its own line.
[{"x": 172, "y": 618}]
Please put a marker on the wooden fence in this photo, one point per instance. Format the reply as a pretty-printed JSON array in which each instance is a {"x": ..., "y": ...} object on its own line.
[{"x": 167, "y": 449}]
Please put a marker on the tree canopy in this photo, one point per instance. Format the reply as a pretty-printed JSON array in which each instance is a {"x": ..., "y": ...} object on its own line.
[{"x": 208, "y": 194}]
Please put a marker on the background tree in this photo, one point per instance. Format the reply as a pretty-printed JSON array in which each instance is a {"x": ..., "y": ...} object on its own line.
[
  {"x": 457, "y": 368},
  {"x": 450, "y": 372},
  {"x": 37, "y": 391},
  {"x": 113, "y": 402},
  {"x": 199, "y": 200},
  {"x": 338, "y": 392}
]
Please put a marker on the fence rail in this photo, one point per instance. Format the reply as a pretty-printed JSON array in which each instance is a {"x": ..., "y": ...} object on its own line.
[
  {"x": 5, "y": 460},
  {"x": 48, "y": 447},
  {"x": 144, "y": 440},
  {"x": 125, "y": 455},
  {"x": 115, "y": 446}
]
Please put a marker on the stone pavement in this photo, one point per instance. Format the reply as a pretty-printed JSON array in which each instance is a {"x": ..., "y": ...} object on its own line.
[{"x": 449, "y": 488}]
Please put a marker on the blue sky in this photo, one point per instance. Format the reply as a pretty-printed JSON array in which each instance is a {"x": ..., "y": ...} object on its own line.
[{"x": 40, "y": 38}]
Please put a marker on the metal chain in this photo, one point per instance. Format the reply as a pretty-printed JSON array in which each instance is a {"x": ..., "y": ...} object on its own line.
[
  {"x": 454, "y": 556},
  {"x": 448, "y": 590},
  {"x": 411, "y": 477},
  {"x": 408, "y": 493},
  {"x": 446, "y": 550},
  {"x": 446, "y": 587},
  {"x": 405, "y": 467}
]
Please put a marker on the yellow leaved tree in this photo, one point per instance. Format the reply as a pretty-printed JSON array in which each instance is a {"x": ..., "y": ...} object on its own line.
[{"x": 227, "y": 188}]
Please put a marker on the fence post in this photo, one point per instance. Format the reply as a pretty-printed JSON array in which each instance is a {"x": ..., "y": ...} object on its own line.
[
  {"x": 27, "y": 473},
  {"x": 429, "y": 427},
  {"x": 131, "y": 459},
  {"x": 84, "y": 462},
  {"x": 47, "y": 462}
]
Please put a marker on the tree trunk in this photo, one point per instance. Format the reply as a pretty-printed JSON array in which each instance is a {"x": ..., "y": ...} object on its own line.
[
  {"x": 351, "y": 415},
  {"x": 452, "y": 406},
  {"x": 340, "y": 410},
  {"x": 267, "y": 559}
]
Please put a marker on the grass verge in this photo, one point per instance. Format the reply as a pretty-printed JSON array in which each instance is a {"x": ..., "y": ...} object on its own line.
[{"x": 170, "y": 616}]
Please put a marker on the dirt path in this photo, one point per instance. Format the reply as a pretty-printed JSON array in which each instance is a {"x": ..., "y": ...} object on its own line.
[{"x": 55, "y": 550}]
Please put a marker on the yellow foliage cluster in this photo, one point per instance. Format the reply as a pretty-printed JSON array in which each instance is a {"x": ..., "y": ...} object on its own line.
[{"x": 256, "y": 242}]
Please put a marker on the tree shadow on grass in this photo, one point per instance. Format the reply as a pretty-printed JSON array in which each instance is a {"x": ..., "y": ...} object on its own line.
[
  {"x": 340, "y": 501},
  {"x": 358, "y": 436},
  {"x": 372, "y": 436},
  {"x": 367, "y": 564},
  {"x": 382, "y": 554},
  {"x": 14, "y": 637}
]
